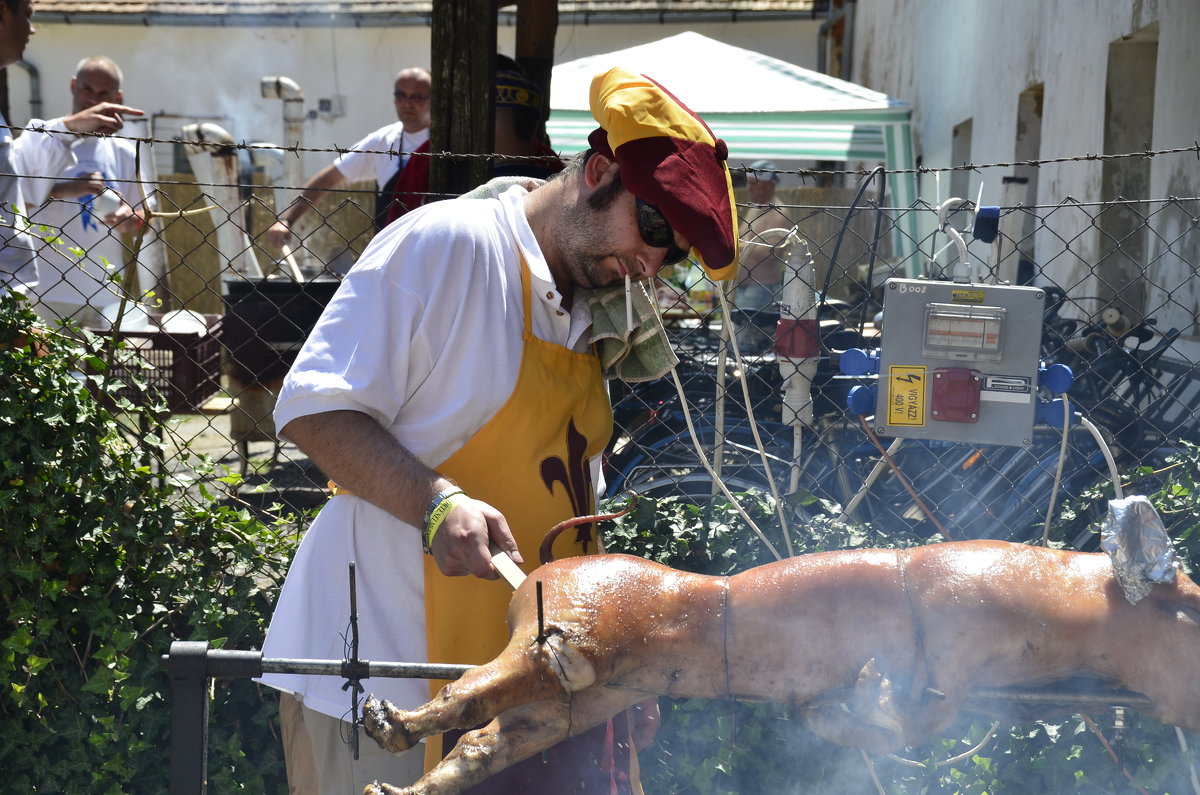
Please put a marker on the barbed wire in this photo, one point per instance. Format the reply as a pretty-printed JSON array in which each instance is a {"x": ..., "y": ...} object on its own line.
[
  {"x": 923, "y": 205},
  {"x": 260, "y": 146},
  {"x": 1088, "y": 157},
  {"x": 920, "y": 204},
  {"x": 862, "y": 171}
]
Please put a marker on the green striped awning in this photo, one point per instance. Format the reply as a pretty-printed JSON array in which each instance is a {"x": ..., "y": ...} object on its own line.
[{"x": 752, "y": 136}]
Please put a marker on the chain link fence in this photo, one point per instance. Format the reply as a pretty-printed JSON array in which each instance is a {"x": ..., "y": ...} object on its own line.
[{"x": 212, "y": 316}]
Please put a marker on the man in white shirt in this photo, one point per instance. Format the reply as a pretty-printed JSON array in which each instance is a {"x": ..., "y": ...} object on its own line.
[
  {"x": 411, "y": 94},
  {"x": 102, "y": 226},
  {"x": 456, "y": 359},
  {"x": 21, "y": 164}
]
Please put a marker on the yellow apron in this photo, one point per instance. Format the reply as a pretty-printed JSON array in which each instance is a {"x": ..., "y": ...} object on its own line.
[{"x": 530, "y": 461}]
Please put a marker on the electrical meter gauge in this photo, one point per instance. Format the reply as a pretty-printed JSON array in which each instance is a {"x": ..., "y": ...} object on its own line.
[{"x": 963, "y": 333}]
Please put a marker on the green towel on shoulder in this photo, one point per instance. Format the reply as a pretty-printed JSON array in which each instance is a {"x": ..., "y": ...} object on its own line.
[{"x": 640, "y": 353}]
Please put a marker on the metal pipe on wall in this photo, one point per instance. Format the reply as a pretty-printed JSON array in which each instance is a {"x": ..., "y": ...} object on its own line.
[
  {"x": 290, "y": 184},
  {"x": 286, "y": 89},
  {"x": 213, "y": 158},
  {"x": 846, "y": 14},
  {"x": 35, "y": 88}
]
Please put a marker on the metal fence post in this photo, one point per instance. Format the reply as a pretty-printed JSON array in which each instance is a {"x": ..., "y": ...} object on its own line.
[{"x": 187, "y": 667}]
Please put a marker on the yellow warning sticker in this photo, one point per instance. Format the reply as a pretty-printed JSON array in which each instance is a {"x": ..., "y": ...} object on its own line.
[
  {"x": 966, "y": 296},
  {"x": 906, "y": 395}
]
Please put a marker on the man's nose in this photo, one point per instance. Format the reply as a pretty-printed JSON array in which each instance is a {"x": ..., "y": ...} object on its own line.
[{"x": 651, "y": 262}]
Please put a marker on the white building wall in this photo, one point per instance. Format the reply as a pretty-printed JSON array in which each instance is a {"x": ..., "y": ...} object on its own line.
[
  {"x": 215, "y": 72},
  {"x": 969, "y": 59}
]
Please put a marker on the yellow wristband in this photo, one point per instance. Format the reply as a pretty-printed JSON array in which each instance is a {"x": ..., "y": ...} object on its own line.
[{"x": 438, "y": 511}]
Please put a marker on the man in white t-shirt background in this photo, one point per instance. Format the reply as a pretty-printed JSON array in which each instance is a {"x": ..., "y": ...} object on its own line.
[
  {"x": 381, "y": 156},
  {"x": 94, "y": 205}
]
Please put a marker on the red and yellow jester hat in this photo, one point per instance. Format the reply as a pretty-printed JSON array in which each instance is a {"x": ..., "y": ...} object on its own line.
[{"x": 669, "y": 158}]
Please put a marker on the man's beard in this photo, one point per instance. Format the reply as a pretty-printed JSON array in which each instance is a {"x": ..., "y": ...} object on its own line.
[
  {"x": 592, "y": 273},
  {"x": 585, "y": 247}
]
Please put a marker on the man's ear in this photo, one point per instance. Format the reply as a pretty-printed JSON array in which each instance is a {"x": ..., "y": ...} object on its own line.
[{"x": 596, "y": 167}]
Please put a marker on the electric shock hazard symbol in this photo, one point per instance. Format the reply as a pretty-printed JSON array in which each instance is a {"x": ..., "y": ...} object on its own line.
[{"x": 906, "y": 395}]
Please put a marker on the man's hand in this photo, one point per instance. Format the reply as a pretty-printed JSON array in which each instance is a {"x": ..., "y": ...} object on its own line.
[
  {"x": 86, "y": 185},
  {"x": 325, "y": 180},
  {"x": 107, "y": 117},
  {"x": 356, "y": 452},
  {"x": 461, "y": 543},
  {"x": 279, "y": 234},
  {"x": 125, "y": 220}
]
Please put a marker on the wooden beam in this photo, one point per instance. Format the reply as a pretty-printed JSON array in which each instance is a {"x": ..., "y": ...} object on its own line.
[
  {"x": 537, "y": 24},
  {"x": 463, "y": 44}
]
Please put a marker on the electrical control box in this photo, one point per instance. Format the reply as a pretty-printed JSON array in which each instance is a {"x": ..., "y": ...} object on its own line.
[{"x": 959, "y": 361}]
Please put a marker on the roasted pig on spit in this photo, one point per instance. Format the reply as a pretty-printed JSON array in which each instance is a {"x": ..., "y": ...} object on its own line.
[{"x": 879, "y": 648}]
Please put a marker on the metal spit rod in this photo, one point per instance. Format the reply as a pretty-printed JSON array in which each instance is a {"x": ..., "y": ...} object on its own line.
[
  {"x": 1105, "y": 699},
  {"x": 222, "y": 664}
]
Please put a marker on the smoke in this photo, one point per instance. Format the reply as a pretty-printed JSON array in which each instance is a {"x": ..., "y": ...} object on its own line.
[
  {"x": 730, "y": 747},
  {"x": 238, "y": 97}
]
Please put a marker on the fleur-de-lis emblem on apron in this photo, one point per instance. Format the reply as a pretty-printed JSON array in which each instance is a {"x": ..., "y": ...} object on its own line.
[{"x": 573, "y": 475}]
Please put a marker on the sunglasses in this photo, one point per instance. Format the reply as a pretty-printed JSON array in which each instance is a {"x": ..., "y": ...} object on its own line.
[{"x": 657, "y": 232}]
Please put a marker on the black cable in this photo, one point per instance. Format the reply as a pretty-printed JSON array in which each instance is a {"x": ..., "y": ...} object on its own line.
[
  {"x": 837, "y": 245},
  {"x": 874, "y": 241}
]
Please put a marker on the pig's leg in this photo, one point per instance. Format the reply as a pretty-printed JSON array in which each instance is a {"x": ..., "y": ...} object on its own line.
[
  {"x": 870, "y": 718},
  {"x": 513, "y": 736},
  {"x": 524, "y": 672},
  {"x": 1150, "y": 640}
]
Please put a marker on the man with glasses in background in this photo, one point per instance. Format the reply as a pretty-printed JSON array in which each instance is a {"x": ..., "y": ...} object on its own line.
[
  {"x": 453, "y": 394},
  {"x": 383, "y": 156}
]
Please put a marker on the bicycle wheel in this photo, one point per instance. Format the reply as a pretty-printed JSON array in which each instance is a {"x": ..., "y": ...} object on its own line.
[
  {"x": 694, "y": 486},
  {"x": 672, "y": 467}
]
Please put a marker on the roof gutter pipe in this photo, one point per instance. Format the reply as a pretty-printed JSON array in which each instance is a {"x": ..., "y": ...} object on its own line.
[
  {"x": 846, "y": 12},
  {"x": 392, "y": 19},
  {"x": 35, "y": 88}
]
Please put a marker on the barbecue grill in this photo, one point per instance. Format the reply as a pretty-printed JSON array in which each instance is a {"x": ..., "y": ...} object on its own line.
[{"x": 266, "y": 323}]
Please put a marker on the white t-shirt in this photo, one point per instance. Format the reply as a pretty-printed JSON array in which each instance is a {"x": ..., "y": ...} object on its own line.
[
  {"x": 424, "y": 335},
  {"x": 20, "y": 164},
  {"x": 359, "y": 164},
  {"x": 88, "y": 281}
]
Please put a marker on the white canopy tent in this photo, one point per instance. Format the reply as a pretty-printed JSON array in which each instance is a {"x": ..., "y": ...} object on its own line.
[{"x": 763, "y": 107}]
